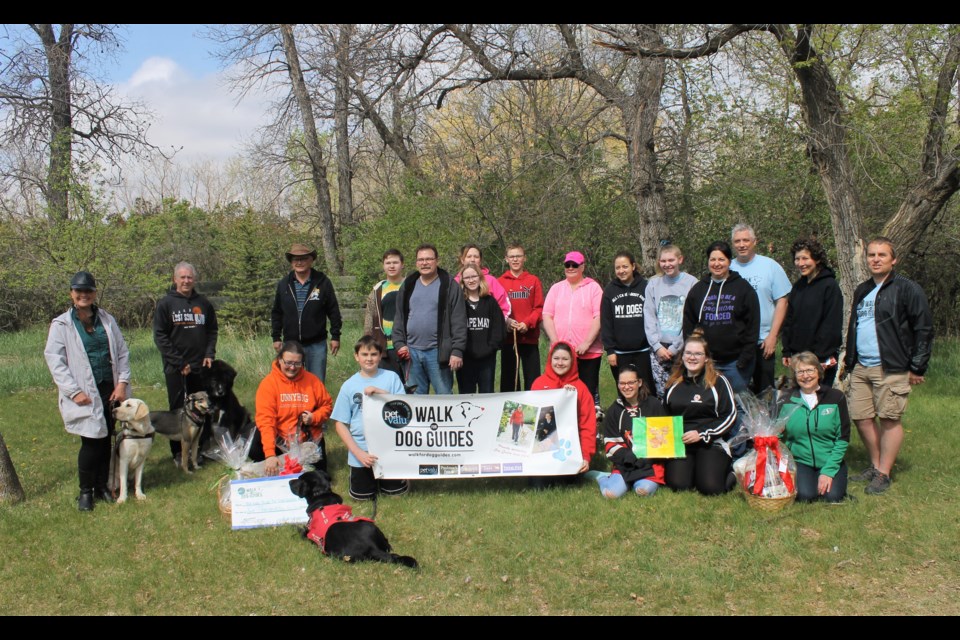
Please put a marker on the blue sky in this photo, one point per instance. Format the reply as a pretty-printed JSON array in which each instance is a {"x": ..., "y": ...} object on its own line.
[{"x": 179, "y": 42}]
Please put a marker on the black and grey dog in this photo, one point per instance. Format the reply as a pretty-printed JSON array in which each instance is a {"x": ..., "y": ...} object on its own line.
[
  {"x": 334, "y": 527},
  {"x": 184, "y": 425}
]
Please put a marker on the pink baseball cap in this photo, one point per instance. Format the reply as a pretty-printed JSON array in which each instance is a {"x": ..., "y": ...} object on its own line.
[{"x": 575, "y": 256}]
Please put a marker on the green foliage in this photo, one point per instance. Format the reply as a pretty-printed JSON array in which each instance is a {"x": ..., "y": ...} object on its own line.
[{"x": 252, "y": 249}]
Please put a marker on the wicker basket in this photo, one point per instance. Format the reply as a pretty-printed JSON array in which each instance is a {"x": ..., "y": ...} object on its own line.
[
  {"x": 769, "y": 504},
  {"x": 223, "y": 491}
]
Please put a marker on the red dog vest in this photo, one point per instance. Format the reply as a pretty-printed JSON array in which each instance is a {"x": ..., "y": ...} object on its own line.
[{"x": 322, "y": 519}]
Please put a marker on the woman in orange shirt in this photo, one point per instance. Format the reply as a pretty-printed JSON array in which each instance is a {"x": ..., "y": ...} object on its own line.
[{"x": 288, "y": 394}]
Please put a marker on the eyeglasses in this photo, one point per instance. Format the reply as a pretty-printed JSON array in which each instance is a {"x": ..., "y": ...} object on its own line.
[
  {"x": 470, "y": 278},
  {"x": 419, "y": 260},
  {"x": 628, "y": 383},
  {"x": 695, "y": 356},
  {"x": 301, "y": 258},
  {"x": 292, "y": 365},
  {"x": 571, "y": 265},
  {"x": 806, "y": 372}
]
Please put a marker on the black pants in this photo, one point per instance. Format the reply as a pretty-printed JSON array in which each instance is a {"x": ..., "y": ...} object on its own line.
[
  {"x": 175, "y": 392},
  {"x": 529, "y": 366},
  {"x": 93, "y": 461},
  {"x": 705, "y": 469},
  {"x": 477, "y": 374},
  {"x": 640, "y": 360},
  {"x": 763, "y": 370},
  {"x": 809, "y": 477},
  {"x": 589, "y": 372}
]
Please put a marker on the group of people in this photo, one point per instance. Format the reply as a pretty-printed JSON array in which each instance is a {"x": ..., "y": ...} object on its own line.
[{"x": 675, "y": 346}]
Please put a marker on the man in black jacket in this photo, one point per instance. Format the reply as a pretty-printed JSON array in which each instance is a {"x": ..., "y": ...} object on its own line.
[
  {"x": 305, "y": 299},
  {"x": 185, "y": 332},
  {"x": 888, "y": 348}
]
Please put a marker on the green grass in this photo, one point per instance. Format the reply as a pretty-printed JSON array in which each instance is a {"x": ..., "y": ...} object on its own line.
[{"x": 486, "y": 547}]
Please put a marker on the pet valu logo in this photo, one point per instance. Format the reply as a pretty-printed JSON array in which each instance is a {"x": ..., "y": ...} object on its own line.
[{"x": 397, "y": 414}]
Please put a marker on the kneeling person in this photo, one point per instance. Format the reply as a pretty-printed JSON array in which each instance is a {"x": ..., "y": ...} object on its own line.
[{"x": 348, "y": 416}]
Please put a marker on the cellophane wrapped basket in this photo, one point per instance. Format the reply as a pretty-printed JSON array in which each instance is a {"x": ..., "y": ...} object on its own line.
[
  {"x": 767, "y": 473},
  {"x": 233, "y": 453}
]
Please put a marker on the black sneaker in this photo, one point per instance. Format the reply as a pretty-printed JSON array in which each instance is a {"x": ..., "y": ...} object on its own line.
[
  {"x": 879, "y": 484},
  {"x": 85, "y": 500},
  {"x": 866, "y": 475}
]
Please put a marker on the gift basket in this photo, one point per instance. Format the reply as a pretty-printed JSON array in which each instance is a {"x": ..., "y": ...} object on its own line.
[
  {"x": 233, "y": 453},
  {"x": 767, "y": 473}
]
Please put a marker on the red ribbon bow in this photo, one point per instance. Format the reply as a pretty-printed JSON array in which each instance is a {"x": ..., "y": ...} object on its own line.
[
  {"x": 762, "y": 444},
  {"x": 291, "y": 466}
]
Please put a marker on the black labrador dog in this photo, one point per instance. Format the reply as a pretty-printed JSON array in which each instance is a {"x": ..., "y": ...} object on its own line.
[
  {"x": 334, "y": 527},
  {"x": 225, "y": 409}
]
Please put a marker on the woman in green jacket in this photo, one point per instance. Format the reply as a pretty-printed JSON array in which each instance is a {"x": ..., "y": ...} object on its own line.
[{"x": 817, "y": 432}]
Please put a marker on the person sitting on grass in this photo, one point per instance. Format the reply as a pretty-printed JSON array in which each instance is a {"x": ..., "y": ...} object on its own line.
[
  {"x": 817, "y": 431},
  {"x": 642, "y": 475},
  {"x": 348, "y": 417}
]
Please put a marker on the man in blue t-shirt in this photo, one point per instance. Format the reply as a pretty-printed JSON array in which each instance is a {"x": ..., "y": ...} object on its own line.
[
  {"x": 348, "y": 416},
  {"x": 769, "y": 280},
  {"x": 889, "y": 340}
]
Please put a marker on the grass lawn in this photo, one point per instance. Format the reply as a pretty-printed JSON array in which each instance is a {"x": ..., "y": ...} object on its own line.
[{"x": 486, "y": 547}]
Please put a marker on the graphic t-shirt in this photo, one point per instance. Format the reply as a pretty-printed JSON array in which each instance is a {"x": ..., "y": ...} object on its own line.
[{"x": 349, "y": 405}]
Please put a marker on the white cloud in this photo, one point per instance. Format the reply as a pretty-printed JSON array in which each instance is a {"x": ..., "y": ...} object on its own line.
[{"x": 198, "y": 116}]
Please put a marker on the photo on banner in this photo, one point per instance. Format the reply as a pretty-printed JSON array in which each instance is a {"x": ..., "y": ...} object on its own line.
[{"x": 436, "y": 436}]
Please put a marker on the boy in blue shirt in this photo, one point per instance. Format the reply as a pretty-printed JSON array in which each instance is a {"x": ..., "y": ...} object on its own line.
[{"x": 348, "y": 416}]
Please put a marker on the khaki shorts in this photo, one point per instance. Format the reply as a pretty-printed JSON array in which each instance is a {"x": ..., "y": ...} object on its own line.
[{"x": 875, "y": 393}]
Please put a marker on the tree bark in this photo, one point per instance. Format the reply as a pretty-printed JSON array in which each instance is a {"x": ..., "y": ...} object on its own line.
[
  {"x": 341, "y": 107},
  {"x": 318, "y": 170},
  {"x": 10, "y": 488},
  {"x": 60, "y": 168}
]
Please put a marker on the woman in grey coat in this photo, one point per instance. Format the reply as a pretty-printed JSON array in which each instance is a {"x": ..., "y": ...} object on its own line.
[{"x": 90, "y": 364}]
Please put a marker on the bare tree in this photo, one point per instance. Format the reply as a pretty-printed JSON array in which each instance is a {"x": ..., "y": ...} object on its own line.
[
  {"x": 827, "y": 132},
  {"x": 10, "y": 488},
  {"x": 510, "y": 53},
  {"x": 55, "y": 108}
]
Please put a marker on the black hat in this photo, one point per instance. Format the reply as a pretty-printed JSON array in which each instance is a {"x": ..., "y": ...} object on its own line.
[{"x": 83, "y": 280}]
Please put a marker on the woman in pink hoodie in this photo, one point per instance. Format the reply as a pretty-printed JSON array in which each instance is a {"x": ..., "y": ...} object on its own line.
[{"x": 571, "y": 314}]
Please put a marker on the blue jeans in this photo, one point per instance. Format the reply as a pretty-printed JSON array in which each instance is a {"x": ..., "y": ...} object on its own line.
[
  {"x": 315, "y": 357},
  {"x": 808, "y": 477},
  {"x": 613, "y": 486},
  {"x": 425, "y": 370}
]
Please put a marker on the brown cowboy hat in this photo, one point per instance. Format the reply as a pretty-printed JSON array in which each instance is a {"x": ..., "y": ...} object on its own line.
[{"x": 298, "y": 249}]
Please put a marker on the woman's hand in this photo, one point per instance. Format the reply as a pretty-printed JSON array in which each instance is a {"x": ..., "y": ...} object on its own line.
[
  {"x": 691, "y": 437},
  {"x": 306, "y": 418},
  {"x": 612, "y": 359},
  {"x": 82, "y": 399},
  {"x": 569, "y": 387},
  {"x": 664, "y": 354},
  {"x": 272, "y": 466},
  {"x": 584, "y": 467},
  {"x": 824, "y": 483},
  {"x": 119, "y": 392}
]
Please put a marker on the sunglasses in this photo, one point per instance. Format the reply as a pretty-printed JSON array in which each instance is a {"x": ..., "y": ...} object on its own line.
[{"x": 570, "y": 264}]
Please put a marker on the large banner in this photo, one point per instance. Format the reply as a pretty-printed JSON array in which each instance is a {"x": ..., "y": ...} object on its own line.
[{"x": 529, "y": 433}]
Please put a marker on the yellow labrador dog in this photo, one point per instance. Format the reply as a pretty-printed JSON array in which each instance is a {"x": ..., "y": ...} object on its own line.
[{"x": 134, "y": 440}]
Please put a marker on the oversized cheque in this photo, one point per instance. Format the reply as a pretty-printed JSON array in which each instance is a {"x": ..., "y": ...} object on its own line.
[{"x": 424, "y": 436}]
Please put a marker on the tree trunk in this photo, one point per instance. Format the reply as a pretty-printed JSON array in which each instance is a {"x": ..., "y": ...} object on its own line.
[
  {"x": 59, "y": 170},
  {"x": 826, "y": 146},
  {"x": 639, "y": 113},
  {"x": 341, "y": 105},
  {"x": 10, "y": 488},
  {"x": 318, "y": 171}
]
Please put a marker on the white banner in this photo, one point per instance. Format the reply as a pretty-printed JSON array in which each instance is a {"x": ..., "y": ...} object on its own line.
[{"x": 529, "y": 433}]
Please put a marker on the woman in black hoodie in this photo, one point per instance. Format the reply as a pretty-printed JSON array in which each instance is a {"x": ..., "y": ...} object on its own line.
[
  {"x": 621, "y": 320},
  {"x": 726, "y": 308},
  {"x": 814, "y": 319}
]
